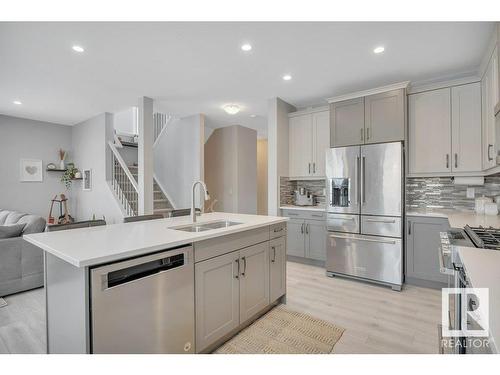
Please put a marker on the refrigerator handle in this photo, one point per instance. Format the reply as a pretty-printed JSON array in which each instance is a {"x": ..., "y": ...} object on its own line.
[
  {"x": 363, "y": 200},
  {"x": 356, "y": 184}
]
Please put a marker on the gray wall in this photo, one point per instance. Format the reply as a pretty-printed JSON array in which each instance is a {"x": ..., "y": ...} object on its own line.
[
  {"x": 22, "y": 138},
  {"x": 231, "y": 169},
  {"x": 91, "y": 151}
]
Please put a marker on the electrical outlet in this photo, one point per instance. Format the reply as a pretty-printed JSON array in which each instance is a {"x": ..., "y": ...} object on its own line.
[{"x": 471, "y": 193}]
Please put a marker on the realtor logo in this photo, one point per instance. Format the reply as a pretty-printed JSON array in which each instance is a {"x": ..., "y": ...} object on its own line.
[{"x": 474, "y": 312}]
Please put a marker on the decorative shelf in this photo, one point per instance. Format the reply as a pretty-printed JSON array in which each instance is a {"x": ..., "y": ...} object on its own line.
[{"x": 55, "y": 170}]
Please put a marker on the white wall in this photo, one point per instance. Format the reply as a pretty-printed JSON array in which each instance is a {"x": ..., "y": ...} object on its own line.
[
  {"x": 90, "y": 151},
  {"x": 231, "y": 169},
  {"x": 179, "y": 158},
  {"x": 29, "y": 139},
  {"x": 262, "y": 176},
  {"x": 125, "y": 122},
  {"x": 277, "y": 128}
]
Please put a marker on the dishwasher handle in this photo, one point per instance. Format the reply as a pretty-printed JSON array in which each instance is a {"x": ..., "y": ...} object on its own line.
[{"x": 140, "y": 271}]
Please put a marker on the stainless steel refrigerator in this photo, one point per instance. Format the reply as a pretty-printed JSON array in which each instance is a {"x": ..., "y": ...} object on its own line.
[{"x": 365, "y": 208}]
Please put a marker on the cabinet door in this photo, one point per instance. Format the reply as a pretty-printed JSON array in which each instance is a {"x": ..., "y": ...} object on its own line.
[
  {"x": 347, "y": 122},
  {"x": 321, "y": 141},
  {"x": 489, "y": 94},
  {"x": 254, "y": 280},
  {"x": 217, "y": 298},
  {"x": 430, "y": 132},
  {"x": 422, "y": 246},
  {"x": 295, "y": 238},
  {"x": 300, "y": 146},
  {"x": 385, "y": 117},
  {"x": 277, "y": 268},
  {"x": 316, "y": 239},
  {"x": 466, "y": 128}
]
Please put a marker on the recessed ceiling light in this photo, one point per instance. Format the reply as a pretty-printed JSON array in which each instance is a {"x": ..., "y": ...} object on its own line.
[
  {"x": 246, "y": 47},
  {"x": 252, "y": 116},
  {"x": 17, "y": 102},
  {"x": 79, "y": 49},
  {"x": 231, "y": 109},
  {"x": 379, "y": 49},
  {"x": 287, "y": 77}
]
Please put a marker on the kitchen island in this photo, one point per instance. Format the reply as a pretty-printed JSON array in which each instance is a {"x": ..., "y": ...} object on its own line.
[{"x": 143, "y": 287}]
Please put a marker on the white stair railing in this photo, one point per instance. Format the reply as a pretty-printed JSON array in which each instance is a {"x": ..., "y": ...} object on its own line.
[
  {"x": 160, "y": 121},
  {"x": 123, "y": 183}
]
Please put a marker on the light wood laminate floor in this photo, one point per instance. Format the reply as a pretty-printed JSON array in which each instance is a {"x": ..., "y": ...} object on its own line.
[{"x": 376, "y": 319}]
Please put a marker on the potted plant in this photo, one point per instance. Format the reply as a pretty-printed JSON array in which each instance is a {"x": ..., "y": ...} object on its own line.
[{"x": 69, "y": 175}]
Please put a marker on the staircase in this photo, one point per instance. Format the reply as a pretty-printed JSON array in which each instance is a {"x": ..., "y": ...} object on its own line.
[{"x": 161, "y": 204}]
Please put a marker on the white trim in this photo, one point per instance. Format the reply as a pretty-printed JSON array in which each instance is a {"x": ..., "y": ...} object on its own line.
[
  {"x": 124, "y": 166},
  {"x": 117, "y": 141},
  {"x": 163, "y": 130},
  {"x": 492, "y": 43},
  {"x": 308, "y": 111},
  {"x": 443, "y": 82},
  {"x": 377, "y": 90}
]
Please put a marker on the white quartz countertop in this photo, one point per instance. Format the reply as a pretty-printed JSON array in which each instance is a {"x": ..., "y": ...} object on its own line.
[
  {"x": 459, "y": 219},
  {"x": 483, "y": 270},
  {"x": 90, "y": 246},
  {"x": 302, "y": 208}
]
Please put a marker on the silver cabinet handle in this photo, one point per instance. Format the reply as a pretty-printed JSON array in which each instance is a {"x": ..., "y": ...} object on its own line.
[
  {"x": 277, "y": 230},
  {"x": 292, "y": 214},
  {"x": 244, "y": 266},
  {"x": 367, "y": 134},
  {"x": 489, "y": 147},
  {"x": 238, "y": 273},
  {"x": 314, "y": 167},
  {"x": 302, "y": 228},
  {"x": 307, "y": 228},
  {"x": 447, "y": 161},
  {"x": 363, "y": 239},
  {"x": 342, "y": 218},
  {"x": 456, "y": 160},
  {"x": 409, "y": 228},
  {"x": 316, "y": 215},
  {"x": 381, "y": 221},
  {"x": 356, "y": 187},
  {"x": 273, "y": 248},
  {"x": 362, "y": 132},
  {"x": 309, "y": 168}
]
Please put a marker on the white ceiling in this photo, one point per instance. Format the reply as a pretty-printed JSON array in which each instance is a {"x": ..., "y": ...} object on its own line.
[{"x": 197, "y": 67}]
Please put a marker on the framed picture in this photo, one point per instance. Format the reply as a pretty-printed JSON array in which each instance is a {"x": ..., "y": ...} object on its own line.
[
  {"x": 30, "y": 170},
  {"x": 87, "y": 179}
]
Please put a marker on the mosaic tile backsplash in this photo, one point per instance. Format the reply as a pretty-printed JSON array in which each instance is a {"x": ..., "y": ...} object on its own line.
[
  {"x": 287, "y": 188},
  {"x": 440, "y": 192}
]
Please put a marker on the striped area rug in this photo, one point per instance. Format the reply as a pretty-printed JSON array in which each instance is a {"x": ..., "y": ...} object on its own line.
[
  {"x": 2, "y": 302},
  {"x": 282, "y": 331}
]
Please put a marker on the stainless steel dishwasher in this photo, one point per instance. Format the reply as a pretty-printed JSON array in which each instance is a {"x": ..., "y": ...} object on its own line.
[{"x": 144, "y": 305}]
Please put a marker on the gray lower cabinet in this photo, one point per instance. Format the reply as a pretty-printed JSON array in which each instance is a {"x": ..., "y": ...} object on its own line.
[
  {"x": 234, "y": 287},
  {"x": 217, "y": 291},
  {"x": 295, "y": 238},
  {"x": 306, "y": 238},
  {"x": 277, "y": 268},
  {"x": 254, "y": 280},
  {"x": 315, "y": 239},
  {"x": 422, "y": 246}
]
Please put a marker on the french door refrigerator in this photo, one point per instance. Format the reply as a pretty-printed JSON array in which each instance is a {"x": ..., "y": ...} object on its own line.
[{"x": 365, "y": 208}]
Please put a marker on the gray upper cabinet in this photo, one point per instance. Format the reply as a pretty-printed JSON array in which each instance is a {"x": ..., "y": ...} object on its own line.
[
  {"x": 254, "y": 280},
  {"x": 347, "y": 122},
  {"x": 385, "y": 117},
  {"x": 277, "y": 268},
  {"x": 217, "y": 291},
  {"x": 422, "y": 246},
  {"x": 373, "y": 118}
]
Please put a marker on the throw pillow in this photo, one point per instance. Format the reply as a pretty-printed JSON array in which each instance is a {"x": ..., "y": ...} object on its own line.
[{"x": 13, "y": 230}]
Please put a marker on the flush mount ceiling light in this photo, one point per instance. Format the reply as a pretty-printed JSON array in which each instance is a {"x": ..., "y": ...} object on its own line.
[
  {"x": 78, "y": 49},
  {"x": 17, "y": 102},
  {"x": 287, "y": 77},
  {"x": 253, "y": 116},
  {"x": 231, "y": 109},
  {"x": 379, "y": 49},
  {"x": 246, "y": 47}
]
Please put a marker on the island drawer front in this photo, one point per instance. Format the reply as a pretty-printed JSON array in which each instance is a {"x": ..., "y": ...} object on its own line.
[
  {"x": 277, "y": 230},
  {"x": 225, "y": 244}
]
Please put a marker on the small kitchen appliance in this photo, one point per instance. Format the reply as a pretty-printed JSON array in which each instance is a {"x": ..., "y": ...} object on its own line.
[{"x": 303, "y": 197}]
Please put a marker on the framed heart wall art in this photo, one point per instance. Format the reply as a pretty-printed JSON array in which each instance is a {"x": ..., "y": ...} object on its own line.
[{"x": 31, "y": 170}]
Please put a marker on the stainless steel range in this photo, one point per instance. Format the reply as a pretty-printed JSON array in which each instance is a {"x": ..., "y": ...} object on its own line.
[{"x": 450, "y": 264}]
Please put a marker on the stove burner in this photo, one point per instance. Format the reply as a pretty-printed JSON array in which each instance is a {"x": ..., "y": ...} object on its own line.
[{"x": 487, "y": 238}]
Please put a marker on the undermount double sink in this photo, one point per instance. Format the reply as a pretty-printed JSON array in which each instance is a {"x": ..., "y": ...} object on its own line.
[{"x": 202, "y": 227}]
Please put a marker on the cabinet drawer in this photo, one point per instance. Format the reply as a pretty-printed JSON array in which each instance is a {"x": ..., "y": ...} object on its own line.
[
  {"x": 381, "y": 226},
  {"x": 343, "y": 223},
  {"x": 316, "y": 215},
  {"x": 304, "y": 214},
  {"x": 277, "y": 230}
]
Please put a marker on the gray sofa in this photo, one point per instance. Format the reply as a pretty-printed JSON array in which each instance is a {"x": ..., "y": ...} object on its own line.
[{"x": 21, "y": 263}]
